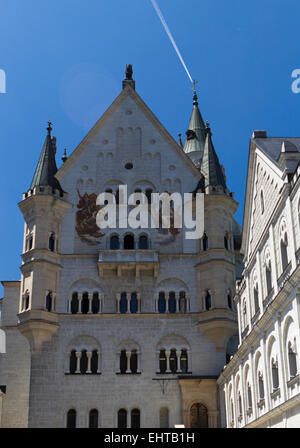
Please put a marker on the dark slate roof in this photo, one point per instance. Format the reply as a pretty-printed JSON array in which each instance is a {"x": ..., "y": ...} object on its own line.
[
  {"x": 195, "y": 142},
  {"x": 210, "y": 165},
  {"x": 271, "y": 146},
  {"x": 46, "y": 168}
]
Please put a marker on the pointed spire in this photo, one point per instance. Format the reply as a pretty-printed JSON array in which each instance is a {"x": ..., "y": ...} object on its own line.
[
  {"x": 64, "y": 157},
  {"x": 195, "y": 135},
  {"x": 46, "y": 168},
  {"x": 210, "y": 166}
]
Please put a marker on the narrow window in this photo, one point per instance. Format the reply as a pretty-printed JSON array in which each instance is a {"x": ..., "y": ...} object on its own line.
[
  {"x": 245, "y": 314},
  {"x": 30, "y": 242},
  {"x": 292, "y": 361},
  {"x": 262, "y": 202},
  {"x": 122, "y": 418},
  {"x": 283, "y": 250},
  {"x": 207, "y": 301},
  {"x": 249, "y": 397},
  {"x": 256, "y": 301},
  {"x": 240, "y": 405},
  {"x": 93, "y": 418},
  {"x": 226, "y": 242},
  {"x": 135, "y": 418},
  {"x": 204, "y": 242},
  {"x": 114, "y": 242},
  {"x": 74, "y": 303},
  {"x": 164, "y": 418},
  {"x": 229, "y": 300},
  {"x": 129, "y": 242},
  {"x": 94, "y": 361},
  {"x": 95, "y": 303},
  {"x": 71, "y": 419},
  {"x": 261, "y": 387},
  {"x": 143, "y": 242},
  {"x": 162, "y": 361},
  {"x": 268, "y": 278},
  {"x": 184, "y": 361},
  {"x": 73, "y": 362},
  {"x": 52, "y": 242},
  {"x": 85, "y": 303},
  {"x": 161, "y": 302},
  {"x": 123, "y": 361},
  {"x": 123, "y": 303},
  {"x": 133, "y": 303},
  {"x": 182, "y": 302},
  {"x": 83, "y": 362},
  {"x": 172, "y": 302},
  {"x": 49, "y": 301},
  {"x": 173, "y": 361},
  {"x": 275, "y": 376},
  {"x": 134, "y": 361}
]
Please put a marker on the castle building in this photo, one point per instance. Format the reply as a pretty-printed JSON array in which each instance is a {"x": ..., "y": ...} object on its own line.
[
  {"x": 121, "y": 327},
  {"x": 260, "y": 387}
]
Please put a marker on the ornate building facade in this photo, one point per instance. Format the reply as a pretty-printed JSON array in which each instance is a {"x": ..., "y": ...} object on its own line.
[
  {"x": 121, "y": 327},
  {"x": 260, "y": 387}
]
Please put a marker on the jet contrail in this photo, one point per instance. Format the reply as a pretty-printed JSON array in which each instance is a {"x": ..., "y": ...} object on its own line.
[{"x": 164, "y": 23}]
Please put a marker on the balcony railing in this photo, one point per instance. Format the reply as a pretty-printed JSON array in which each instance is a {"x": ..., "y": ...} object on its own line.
[{"x": 126, "y": 260}]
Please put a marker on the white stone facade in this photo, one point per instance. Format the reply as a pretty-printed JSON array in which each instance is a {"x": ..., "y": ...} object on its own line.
[
  {"x": 60, "y": 266},
  {"x": 260, "y": 387}
]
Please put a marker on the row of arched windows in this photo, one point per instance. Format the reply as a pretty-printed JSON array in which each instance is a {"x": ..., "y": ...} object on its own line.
[
  {"x": 84, "y": 362},
  {"x": 205, "y": 242},
  {"x": 93, "y": 418},
  {"x": 84, "y": 303},
  {"x": 173, "y": 361},
  {"x": 128, "y": 242},
  {"x": 172, "y": 302}
]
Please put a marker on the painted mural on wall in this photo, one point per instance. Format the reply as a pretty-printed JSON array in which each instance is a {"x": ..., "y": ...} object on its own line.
[{"x": 86, "y": 226}]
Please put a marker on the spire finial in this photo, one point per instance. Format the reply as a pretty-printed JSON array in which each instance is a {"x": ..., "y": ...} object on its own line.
[
  {"x": 207, "y": 127},
  {"x": 49, "y": 128},
  {"x": 195, "y": 98},
  {"x": 64, "y": 157}
]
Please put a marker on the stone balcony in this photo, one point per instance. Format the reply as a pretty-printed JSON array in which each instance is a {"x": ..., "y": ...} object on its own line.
[{"x": 123, "y": 261}]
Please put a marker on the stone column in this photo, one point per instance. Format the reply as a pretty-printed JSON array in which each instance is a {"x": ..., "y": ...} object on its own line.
[
  {"x": 100, "y": 303},
  {"x": 168, "y": 352},
  {"x": 177, "y": 302},
  {"x": 99, "y": 362},
  {"x": 118, "y": 302},
  {"x": 78, "y": 356},
  {"x": 156, "y": 302},
  {"x": 89, "y": 357},
  {"x": 90, "y": 297},
  {"x": 178, "y": 353},
  {"x": 139, "y": 362},
  {"x": 79, "y": 302},
  {"x": 128, "y": 356},
  {"x": 128, "y": 297},
  {"x": 139, "y": 302}
]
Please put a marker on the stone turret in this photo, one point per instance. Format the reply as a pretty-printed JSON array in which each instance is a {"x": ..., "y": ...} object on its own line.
[
  {"x": 43, "y": 208},
  {"x": 195, "y": 135}
]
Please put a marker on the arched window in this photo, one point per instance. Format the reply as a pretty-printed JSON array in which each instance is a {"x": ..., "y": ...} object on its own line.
[
  {"x": 93, "y": 418},
  {"x": 123, "y": 303},
  {"x": 95, "y": 303},
  {"x": 182, "y": 302},
  {"x": 133, "y": 303},
  {"x": 262, "y": 203},
  {"x": 268, "y": 277},
  {"x": 134, "y": 361},
  {"x": 52, "y": 242},
  {"x": 114, "y": 242},
  {"x": 255, "y": 298},
  {"x": 83, "y": 362},
  {"x": 162, "y": 361},
  {"x": 30, "y": 242},
  {"x": 164, "y": 418},
  {"x": 123, "y": 361},
  {"x": 249, "y": 396},
  {"x": 161, "y": 302},
  {"x": 74, "y": 303},
  {"x": 173, "y": 361},
  {"x": 94, "y": 361},
  {"x": 143, "y": 242},
  {"x": 275, "y": 376},
  {"x": 245, "y": 319},
  {"x": 122, "y": 418},
  {"x": 184, "y": 361},
  {"x": 73, "y": 362},
  {"x": 232, "y": 410},
  {"x": 261, "y": 388},
  {"x": 135, "y": 418},
  {"x": 240, "y": 405},
  {"x": 198, "y": 416},
  {"x": 292, "y": 357},
  {"x": 204, "y": 242},
  {"x": 128, "y": 242},
  {"x": 71, "y": 419},
  {"x": 207, "y": 301},
  {"x": 283, "y": 251},
  {"x": 85, "y": 303},
  {"x": 25, "y": 301},
  {"x": 229, "y": 300},
  {"x": 49, "y": 301},
  {"x": 172, "y": 302}
]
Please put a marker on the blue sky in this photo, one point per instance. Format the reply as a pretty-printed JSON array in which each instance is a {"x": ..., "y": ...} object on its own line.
[{"x": 64, "y": 60}]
